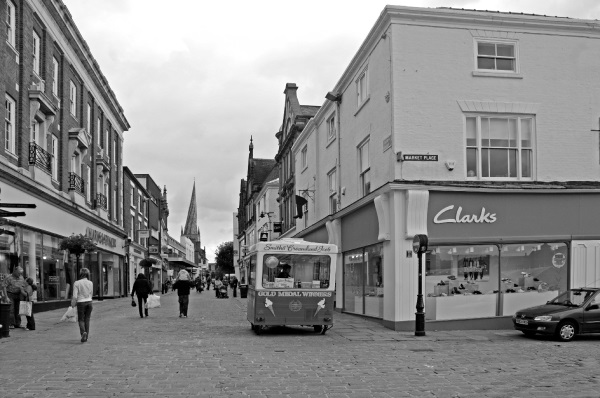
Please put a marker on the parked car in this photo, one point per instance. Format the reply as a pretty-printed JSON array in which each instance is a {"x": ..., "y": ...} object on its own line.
[{"x": 576, "y": 311}]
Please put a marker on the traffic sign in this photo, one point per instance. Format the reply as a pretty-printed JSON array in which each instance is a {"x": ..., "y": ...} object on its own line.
[
  {"x": 4, "y": 213},
  {"x": 18, "y": 205}
]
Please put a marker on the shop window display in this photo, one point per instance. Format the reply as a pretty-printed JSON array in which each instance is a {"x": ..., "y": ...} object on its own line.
[
  {"x": 461, "y": 282},
  {"x": 296, "y": 271},
  {"x": 363, "y": 281},
  {"x": 536, "y": 271},
  {"x": 9, "y": 255}
]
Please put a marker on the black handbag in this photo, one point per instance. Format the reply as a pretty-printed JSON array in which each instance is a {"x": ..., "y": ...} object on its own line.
[{"x": 133, "y": 304}]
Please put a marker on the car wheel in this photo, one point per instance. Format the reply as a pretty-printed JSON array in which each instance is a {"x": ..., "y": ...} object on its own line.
[
  {"x": 528, "y": 333},
  {"x": 566, "y": 331}
]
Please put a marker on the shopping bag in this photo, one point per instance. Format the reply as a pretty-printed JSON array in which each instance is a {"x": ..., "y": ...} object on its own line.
[
  {"x": 70, "y": 315},
  {"x": 25, "y": 308},
  {"x": 133, "y": 304},
  {"x": 153, "y": 301}
]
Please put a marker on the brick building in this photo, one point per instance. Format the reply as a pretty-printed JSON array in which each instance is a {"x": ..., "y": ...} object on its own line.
[
  {"x": 477, "y": 129},
  {"x": 62, "y": 150}
]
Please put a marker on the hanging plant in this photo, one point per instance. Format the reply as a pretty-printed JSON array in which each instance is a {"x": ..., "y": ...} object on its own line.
[
  {"x": 77, "y": 244},
  {"x": 148, "y": 262}
]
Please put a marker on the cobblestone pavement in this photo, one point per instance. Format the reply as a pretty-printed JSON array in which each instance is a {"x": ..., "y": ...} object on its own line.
[{"x": 213, "y": 353}]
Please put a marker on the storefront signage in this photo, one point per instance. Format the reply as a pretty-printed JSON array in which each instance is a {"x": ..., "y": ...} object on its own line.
[
  {"x": 420, "y": 158},
  {"x": 101, "y": 238},
  {"x": 153, "y": 249},
  {"x": 143, "y": 233},
  {"x": 299, "y": 248},
  {"x": 559, "y": 260},
  {"x": 459, "y": 218},
  {"x": 294, "y": 294}
]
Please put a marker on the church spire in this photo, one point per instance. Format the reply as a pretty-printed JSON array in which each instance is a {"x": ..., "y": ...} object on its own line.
[
  {"x": 191, "y": 224},
  {"x": 251, "y": 148}
]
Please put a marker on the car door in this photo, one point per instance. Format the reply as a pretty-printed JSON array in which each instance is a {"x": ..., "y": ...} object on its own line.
[{"x": 591, "y": 315}]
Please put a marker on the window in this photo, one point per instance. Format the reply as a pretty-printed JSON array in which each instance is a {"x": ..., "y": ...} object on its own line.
[
  {"x": 331, "y": 128},
  {"x": 363, "y": 281},
  {"x": 500, "y": 147},
  {"x": 89, "y": 119},
  {"x": 132, "y": 202},
  {"x": 73, "y": 99},
  {"x": 9, "y": 124},
  {"x": 362, "y": 87},
  {"x": 365, "y": 167},
  {"x": 499, "y": 56},
  {"x": 35, "y": 132},
  {"x": 290, "y": 271},
  {"x": 98, "y": 130},
  {"x": 131, "y": 226},
  {"x": 36, "y": 53},
  {"x": 303, "y": 157},
  {"x": 54, "y": 148},
  {"x": 11, "y": 23},
  {"x": 332, "y": 182},
  {"x": 55, "y": 77},
  {"x": 114, "y": 151}
]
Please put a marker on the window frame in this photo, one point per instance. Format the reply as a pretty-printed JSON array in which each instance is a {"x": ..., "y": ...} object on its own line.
[
  {"x": 55, "y": 66},
  {"x": 332, "y": 186},
  {"x": 36, "y": 44},
  {"x": 479, "y": 147},
  {"x": 72, "y": 98},
  {"x": 9, "y": 124},
  {"x": 362, "y": 91},
  {"x": 54, "y": 150},
  {"x": 496, "y": 42},
  {"x": 331, "y": 128},
  {"x": 11, "y": 24},
  {"x": 304, "y": 157},
  {"x": 364, "y": 172}
]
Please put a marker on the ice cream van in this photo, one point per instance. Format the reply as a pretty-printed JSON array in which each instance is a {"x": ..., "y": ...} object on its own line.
[{"x": 291, "y": 282}]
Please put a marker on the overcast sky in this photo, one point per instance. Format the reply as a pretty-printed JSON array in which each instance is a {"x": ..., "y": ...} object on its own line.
[{"x": 197, "y": 78}]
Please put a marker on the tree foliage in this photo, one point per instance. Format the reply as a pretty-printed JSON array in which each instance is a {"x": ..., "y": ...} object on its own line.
[{"x": 224, "y": 258}]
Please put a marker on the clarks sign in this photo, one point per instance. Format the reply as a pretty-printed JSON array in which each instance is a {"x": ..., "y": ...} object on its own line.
[{"x": 447, "y": 215}]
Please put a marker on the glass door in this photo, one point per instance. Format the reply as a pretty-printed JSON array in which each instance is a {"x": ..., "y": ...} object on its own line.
[{"x": 354, "y": 272}]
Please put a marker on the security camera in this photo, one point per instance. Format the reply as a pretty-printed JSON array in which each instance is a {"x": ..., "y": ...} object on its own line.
[
  {"x": 450, "y": 165},
  {"x": 128, "y": 240}
]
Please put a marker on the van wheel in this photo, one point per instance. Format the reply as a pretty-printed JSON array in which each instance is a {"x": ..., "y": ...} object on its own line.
[
  {"x": 318, "y": 328},
  {"x": 529, "y": 333},
  {"x": 257, "y": 329},
  {"x": 566, "y": 331}
]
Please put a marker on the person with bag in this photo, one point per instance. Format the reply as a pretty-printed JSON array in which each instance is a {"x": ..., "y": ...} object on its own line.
[
  {"x": 82, "y": 299},
  {"x": 183, "y": 284},
  {"x": 141, "y": 288},
  {"x": 15, "y": 289},
  {"x": 28, "y": 307}
]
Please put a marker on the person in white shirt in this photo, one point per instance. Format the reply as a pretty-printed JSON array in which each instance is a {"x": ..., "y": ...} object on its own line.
[{"x": 82, "y": 298}]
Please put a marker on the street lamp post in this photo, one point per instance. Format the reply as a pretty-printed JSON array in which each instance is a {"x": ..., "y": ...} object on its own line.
[
  {"x": 268, "y": 214},
  {"x": 420, "y": 243}
]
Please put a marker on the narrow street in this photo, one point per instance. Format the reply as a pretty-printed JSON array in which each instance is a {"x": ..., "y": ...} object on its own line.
[{"x": 213, "y": 353}]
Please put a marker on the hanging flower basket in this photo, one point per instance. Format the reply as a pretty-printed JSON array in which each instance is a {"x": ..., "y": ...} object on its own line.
[
  {"x": 77, "y": 244},
  {"x": 148, "y": 262}
]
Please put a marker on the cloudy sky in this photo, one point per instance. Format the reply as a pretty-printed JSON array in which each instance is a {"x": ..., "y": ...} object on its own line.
[{"x": 197, "y": 78}]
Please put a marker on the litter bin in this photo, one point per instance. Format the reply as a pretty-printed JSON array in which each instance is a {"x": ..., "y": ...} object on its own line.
[
  {"x": 5, "y": 319},
  {"x": 243, "y": 291}
]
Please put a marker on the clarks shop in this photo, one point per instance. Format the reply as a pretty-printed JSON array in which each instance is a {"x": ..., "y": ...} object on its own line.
[{"x": 493, "y": 253}]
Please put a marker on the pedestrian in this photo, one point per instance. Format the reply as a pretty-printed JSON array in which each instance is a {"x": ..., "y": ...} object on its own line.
[
  {"x": 218, "y": 284},
  {"x": 29, "y": 288},
  {"x": 82, "y": 299},
  {"x": 183, "y": 284},
  {"x": 141, "y": 288},
  {"x": 15, "y": 287},
  {"x": 234, "y": 285},
  {"x": 208, "y": 281}
]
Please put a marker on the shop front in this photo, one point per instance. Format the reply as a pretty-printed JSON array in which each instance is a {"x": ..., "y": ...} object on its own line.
[{"x": 33, "y": 242}]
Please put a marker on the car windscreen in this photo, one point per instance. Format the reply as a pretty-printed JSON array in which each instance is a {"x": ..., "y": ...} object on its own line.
[{"x": 572, "y": 298}]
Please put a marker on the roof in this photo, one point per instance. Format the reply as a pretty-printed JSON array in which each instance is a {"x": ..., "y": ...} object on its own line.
[
  {"x": 501, "y": 12},
  {"x": 309, "y": 110},
  {"x": 262, "y": 169}
]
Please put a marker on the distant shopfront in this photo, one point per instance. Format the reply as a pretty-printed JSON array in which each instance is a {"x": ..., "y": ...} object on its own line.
[{"x": 33, "y": 242}]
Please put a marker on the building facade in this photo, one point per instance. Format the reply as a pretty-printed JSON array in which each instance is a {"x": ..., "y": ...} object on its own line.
[
  {"x": 62, "y": 151},
  {"x": 449, "y": 123}
]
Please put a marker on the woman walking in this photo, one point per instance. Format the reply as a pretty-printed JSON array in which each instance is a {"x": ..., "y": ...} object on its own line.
[
  {"x": 82, "y": 298},
  {"x": 183, "y": 285},
  {"x": 142, "y": 288}
]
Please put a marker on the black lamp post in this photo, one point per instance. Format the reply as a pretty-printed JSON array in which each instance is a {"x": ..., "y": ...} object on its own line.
[{"x": 420, "y": 246}]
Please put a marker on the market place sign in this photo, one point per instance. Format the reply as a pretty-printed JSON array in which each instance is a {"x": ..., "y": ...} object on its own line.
[
  {"x": 100, "y": 237},
  {"x": 420, "y": 158}
]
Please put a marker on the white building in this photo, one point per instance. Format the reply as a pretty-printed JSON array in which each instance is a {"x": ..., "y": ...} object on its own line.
[{"x": 474, "y": 128}]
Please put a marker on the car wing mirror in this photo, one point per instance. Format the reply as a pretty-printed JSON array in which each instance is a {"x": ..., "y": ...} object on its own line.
[{"x": 593, "y": 307}]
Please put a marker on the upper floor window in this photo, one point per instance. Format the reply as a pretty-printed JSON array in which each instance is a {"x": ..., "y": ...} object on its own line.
[
  {"x": 36, "y": 53},
  {"x": 497, "y": 55},
  {"x": 500, "y": 146},
  {"x": 98, "y": 127},
  {"x": 364, "y": 168},
  {"x": 89, "y": 119},
  {"x": 9, "y": 124},
  {"x": 55, "y": 77},
  {"x": 332, "y": 184},
  {"x": 331, "y": 128},
  {"x": 362, "y": 87},
  {"x": 11, "y": 23},
  {"x": 303, "y": 156},
  {"x": 54, "y": 149},
  {"x": 73, "y": 98}
]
